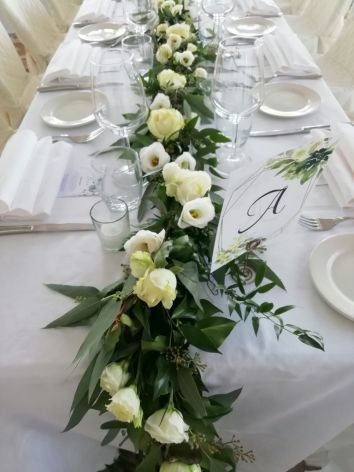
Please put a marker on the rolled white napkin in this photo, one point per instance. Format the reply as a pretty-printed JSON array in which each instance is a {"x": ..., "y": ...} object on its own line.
[
  {"x": 31, "y": 172},
  {"x": 284, "y": 54},
  {"x": 71, "y": 63},
  {"x": 339, "y": 172},
  {"x": 96, "y": 11},
  {"x": 258, "y": 7}
]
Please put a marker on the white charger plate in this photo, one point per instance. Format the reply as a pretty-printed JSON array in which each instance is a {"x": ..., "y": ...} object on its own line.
[
  {"x": 250, "y": 26},
  {"x": 70, "y": 110},
  {"x": 289, "y": 100},
  {"x": 101, "y": 32},
  {"x": 332, "y": 271}
]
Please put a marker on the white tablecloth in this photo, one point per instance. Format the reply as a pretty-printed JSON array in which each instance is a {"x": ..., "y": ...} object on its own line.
[{"x": 294, "y": 398}]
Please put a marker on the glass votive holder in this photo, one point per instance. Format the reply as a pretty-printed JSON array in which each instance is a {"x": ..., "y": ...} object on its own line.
[{"x": 112, "y": 226}]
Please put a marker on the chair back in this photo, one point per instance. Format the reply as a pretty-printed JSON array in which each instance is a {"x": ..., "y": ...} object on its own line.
[{"x": 63, "y": 11}]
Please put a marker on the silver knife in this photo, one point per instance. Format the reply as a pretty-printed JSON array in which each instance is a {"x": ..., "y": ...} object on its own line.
[
  {"x": 45, "y": 228},
  {"x": 287, "y": 132},
  {"x": 71, "y": 86}
]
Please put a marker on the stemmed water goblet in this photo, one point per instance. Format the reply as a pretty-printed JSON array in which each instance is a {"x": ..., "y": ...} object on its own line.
[
  {"x": 141, "y": 15},
  {"x": 217, "y": 10},
  {"x": 237, "y": 90}
]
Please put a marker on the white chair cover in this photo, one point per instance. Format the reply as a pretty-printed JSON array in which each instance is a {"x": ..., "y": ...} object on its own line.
[
  {"x": 320, "y": 23},
  {"x": 292, "y": 7},
  {"x": 63, "y": 11},
  {"x": 17, "y": 86},
  {"x": 5, "y": 131},
  {"x": 35, "y": 28},
  {"x": 337, "y": 66}
]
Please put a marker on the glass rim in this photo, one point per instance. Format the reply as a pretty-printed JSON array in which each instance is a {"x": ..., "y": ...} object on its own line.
[
  {"x": 113, "y": 61},
  {"x": 125, "y": 212},
  {"x": 137, "y": 36},
  {"x": 246, "y": 41}
]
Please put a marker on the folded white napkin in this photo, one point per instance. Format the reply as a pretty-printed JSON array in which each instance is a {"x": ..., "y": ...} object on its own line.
[
  {"x": 284, "y": 54},
  {"x": 96, "y": 11},
  {"x": 31, "y": 172},
  {"x": 258, "y": 7},
  {"x": 339, "y": 172},
  {"x": 71, "y": 62}
]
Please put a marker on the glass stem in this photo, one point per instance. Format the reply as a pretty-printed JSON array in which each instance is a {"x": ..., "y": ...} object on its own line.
[{"x": 235, "y": 130}]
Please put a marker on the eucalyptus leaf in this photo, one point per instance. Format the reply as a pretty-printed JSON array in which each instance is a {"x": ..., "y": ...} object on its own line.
[
  {"x": 190, "y": 392},
  {"x": 85, "y": 310},
  {"x": 75, "y": 291}
]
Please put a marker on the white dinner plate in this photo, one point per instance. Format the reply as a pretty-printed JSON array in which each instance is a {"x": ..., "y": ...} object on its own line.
[
  {"x": 332, "y": 271},
  {"x": 70, "y": 110},
  {"x": 101, "y": 32},
  {"x": 289, "y": 100},
  {"x": 250, "y": 26}
]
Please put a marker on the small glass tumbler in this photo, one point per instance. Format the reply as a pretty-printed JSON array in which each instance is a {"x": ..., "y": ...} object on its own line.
[
  {"x": 142, "y": 48},
  {"x": 112, "y": 226},
  {"x": 119, "y": 177}
]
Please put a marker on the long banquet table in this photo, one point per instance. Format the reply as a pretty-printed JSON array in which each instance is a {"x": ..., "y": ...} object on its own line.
[{"x": 294, "y": 398}]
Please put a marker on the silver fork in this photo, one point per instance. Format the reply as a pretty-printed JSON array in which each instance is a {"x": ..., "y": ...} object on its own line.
[
  {"x": 79, "y": 138},
  {"x": 322, "y": 224}
]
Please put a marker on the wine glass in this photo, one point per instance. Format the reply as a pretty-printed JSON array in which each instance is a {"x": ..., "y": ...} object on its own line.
[
  {"x": 141, "y": 14},
  {"x": 142, "y": 48},
  {"x": 237, "y": 90},
  {"x": 118, "y": 94},
  {"x": 217, "y": 9}
]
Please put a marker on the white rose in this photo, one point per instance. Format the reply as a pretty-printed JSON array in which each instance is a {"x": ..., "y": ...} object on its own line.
[
  {"x": 167, "y": 4},
  {"x": 185, "y": 58},
  {"x": 144, "y": 240},
  {"x": 182, "y": 29},
  {"x": 163, "y": 54},
  {"x": 177, "y": 10},
  {"x": 165, "y": 123},
  {"x": 153, "y": 157},
  {"x": 173, "y": 176},
  {"x": 195, "y": 185},
  {"x": 186, "y": 161},
  {"x": 197, "y": 213},
  {"x": 114, "y": 377},
  {"x": 161, "y": 29},
  {"x": 157, "y": 286},
  {"x": 170, "y": 80},
  {"x": 160, "y": 101},
  {"x": 200, "y": 73},
  {"x": 125, "y": 406},
  {"x": 191, "y": 47},
  {"x": 179, "y": 467},
  {"x": 174, "y": 41},
  {"x": 167, "y": 426}
]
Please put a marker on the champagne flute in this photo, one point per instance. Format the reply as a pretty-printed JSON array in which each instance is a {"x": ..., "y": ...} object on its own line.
[
  {"x": 217, "y": 9},
  {"x": 141, "y": 14},
  {"x": 118, "y": 94},
  {"x": 237, "y": 89}
]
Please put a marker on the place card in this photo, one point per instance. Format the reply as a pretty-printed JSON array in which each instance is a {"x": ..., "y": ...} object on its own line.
[{"x": 261, "y": 201}]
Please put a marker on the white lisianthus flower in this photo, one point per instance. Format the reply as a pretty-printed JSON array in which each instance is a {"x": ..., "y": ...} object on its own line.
[
  {"x": 170, "y": 80},
  {"x": 179, "y": 467},
  {"x": 185, "y": 58},
  {"x": 200, "y": 73},
  {"x": 140, "y": 263},
  {"x": 161, "y": 29},
  {"x": 177, "y": 10},
  {"x": 186, "y": 161},
  {"x": 185, "y": 185},
  {"x": 145, "y": 240},
  {"x": 125, "y": 406},
  {"x": 164, "y": 53},
  {"x": 157, "y": 286},
  {"x": 182, "y": 29},
  {"x": 174, "y": 41},
  {"x": 165, "y": 123},
  {"x": 167, "y": 426},
  {"x": 167, "y": 4},
  {"x": 197, "y": 213},
  {"x": 191, "y": 47},
  {"x": 114, "y": 377},
  {"x": 153, "y": 157},
  {"x": 173, "y": 176},
  {"x": 160, "y": 101}
]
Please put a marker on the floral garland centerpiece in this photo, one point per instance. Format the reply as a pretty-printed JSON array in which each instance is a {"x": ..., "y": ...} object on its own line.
[{"x": 140, "y": 329}]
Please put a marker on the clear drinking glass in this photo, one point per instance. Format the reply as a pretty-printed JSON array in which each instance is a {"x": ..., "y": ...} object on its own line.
[
  {"x": 119, "y": 177},
  {"x": 141, "y": 15},
  {"x": 112, "y": 226},
  {"x": 142, "y": 49},
  {"x": 118, "y": 94},
  {"x": 237, "y": 89},
  {"x": 217, "y": 10}
]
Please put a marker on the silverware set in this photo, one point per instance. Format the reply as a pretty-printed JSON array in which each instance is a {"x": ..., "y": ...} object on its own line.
[
  {"x": 44, "y": 228},
  {"x": 322, "y": 224}
]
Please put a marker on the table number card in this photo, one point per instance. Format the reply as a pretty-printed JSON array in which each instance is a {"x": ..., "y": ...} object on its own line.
[{"x": 261, "y": 201}]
